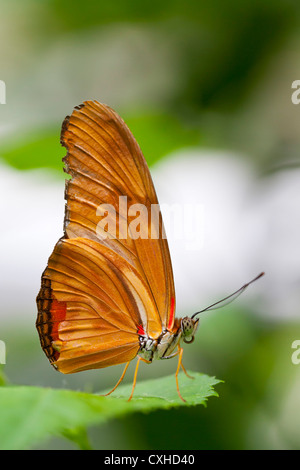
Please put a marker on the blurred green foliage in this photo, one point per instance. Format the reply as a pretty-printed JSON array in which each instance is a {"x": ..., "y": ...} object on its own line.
[
  {"x": 224, "y": 46},
  {"x": 157, "y": 134},
  {"x": 26, "y": 152}
]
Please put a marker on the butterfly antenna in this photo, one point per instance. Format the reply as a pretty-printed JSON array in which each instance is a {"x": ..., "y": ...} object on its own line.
[{"x": 230, "y": 297}]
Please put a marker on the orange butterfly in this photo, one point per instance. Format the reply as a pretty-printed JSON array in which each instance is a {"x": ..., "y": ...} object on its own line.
[{"x": 107, "y": 298}]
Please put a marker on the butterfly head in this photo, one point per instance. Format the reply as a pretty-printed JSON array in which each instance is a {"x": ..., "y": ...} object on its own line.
[{"x": 189, "y": 327}]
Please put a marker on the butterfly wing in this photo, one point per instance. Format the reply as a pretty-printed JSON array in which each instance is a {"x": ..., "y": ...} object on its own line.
[
  {"x": 100, "y": 289},
  {"x": 89, "y": 307},
  {"x": 105, "y": 162}
]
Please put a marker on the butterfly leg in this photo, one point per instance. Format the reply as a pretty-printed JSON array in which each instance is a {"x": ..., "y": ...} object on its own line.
[
  {"x": 135, "y": 374},
  {"x": 134, "y": 378},
  {"x": 120, "y": 379},
  {"x": 176, "y": 354},
  {"x": 184, "y": 369},
  {"x": 180, "y": 351}
]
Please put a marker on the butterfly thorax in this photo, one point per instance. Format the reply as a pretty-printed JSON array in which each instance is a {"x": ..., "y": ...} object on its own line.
[{"x": 165, "y": 345}]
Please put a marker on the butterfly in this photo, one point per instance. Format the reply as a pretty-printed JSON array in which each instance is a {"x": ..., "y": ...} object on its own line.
[{"x": 107, "y": 294}]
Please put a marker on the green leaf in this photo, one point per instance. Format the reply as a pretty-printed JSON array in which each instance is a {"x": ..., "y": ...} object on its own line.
[
  {"x": 162, "y": 393},
  {"x": 29, "y": 415}
]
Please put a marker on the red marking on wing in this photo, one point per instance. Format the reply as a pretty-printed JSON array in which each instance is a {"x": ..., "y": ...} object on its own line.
[
  {"x": 172, "y": 311},
  {"x": 141, "y": 330},
  {"x": 58, "y": 314}
]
